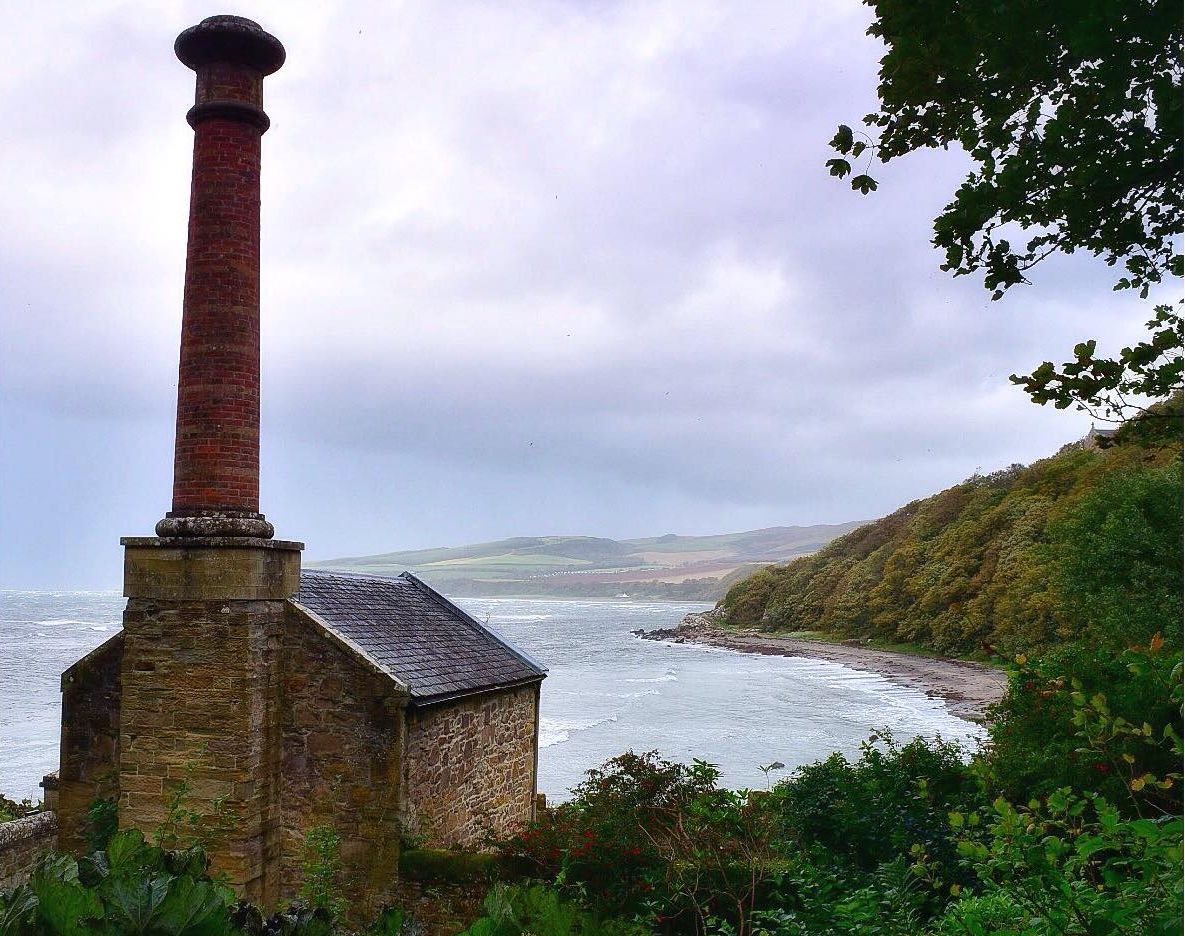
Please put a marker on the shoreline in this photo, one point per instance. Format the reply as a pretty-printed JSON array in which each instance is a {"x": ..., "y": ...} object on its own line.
[{"x": 967, "y": 688}]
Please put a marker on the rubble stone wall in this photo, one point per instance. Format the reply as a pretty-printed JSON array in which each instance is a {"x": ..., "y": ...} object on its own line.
[
  {"x": 442, "y": 908},
  {"x": 23, "y": 842},
  {"x": 470, "y": 767}
]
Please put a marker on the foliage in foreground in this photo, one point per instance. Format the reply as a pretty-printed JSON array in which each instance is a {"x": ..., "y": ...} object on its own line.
[
  {"x": 1029, "y": 837},
  {"x": 513, "y": 910},
  {"x": 1092, "y": 720},
  {"x": 907, "y": 839},
  {"x": 130, "y": 887},
  {"x": 1085, "y": 545}
]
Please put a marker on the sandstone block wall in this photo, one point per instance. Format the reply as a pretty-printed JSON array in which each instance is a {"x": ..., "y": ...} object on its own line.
[
  {"x": 342, "y": 745},
  {"x": 23, "y": 843},
  {"x": 89, "y": 764},
  {"x": 198, "y": 690},
  {"x": 470, "y": 767},
  {"x": 199, "y": 683},
  {"x": 210, "y": 569}
]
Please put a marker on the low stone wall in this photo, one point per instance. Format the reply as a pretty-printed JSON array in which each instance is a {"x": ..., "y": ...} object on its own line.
[
  {"x": 23, "y": 842},
  {"x": 441, "y": 908},
  {"x": 443, "y": 891}
]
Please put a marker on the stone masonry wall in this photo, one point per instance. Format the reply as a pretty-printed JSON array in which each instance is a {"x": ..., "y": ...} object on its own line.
[
  {"x": 89, "y": 762},
  {"x": 342, "y": 741},
  {"x": 470, "y": 767},
  {"x": 23, "y": 842},
  {"x": 198, "y": 694},
  {"x": 198, "y": 706},
  {"x": 442, "y": 908}
]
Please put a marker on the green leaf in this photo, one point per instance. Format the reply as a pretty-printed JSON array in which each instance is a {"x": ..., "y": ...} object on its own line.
[
  {"x": 192, "y": 908},
  {"x": 839, "y": 167},
  {"x": 864, "y": 184},
  {"x": 65, "y": 905},
  {"x": 1088, "y": 845},
  {"x": 134, "y": 902},
  {"x": 17, "y": 911}
]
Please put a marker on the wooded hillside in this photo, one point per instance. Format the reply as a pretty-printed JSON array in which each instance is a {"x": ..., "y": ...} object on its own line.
[{"x": 985, "y": 566}]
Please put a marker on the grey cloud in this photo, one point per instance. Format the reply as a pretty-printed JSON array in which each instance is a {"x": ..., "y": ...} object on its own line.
[{"x": 528, "y": 267}]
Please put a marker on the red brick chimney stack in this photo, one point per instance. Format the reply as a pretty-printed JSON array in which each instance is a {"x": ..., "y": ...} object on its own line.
[{"x": 216, "y": 468}]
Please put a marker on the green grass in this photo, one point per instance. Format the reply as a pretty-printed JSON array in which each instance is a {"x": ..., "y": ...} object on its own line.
[{"x": 509, "y": 560}]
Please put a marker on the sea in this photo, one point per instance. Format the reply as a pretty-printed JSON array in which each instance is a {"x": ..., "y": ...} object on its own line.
[{"x": 607, "y": 690}]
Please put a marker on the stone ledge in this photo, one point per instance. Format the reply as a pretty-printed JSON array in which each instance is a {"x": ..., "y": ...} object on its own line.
[
  {"x": 38, "y": 824},
  {"x": 210, "y": 569},
  {"x": 209, "y": 542}
]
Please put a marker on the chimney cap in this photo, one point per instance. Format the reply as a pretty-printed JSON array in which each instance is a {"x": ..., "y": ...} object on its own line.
[{"x": 233, "y": 39}]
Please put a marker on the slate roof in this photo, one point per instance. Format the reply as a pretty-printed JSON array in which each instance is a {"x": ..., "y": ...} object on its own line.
[{"x": 415, "y": 634}]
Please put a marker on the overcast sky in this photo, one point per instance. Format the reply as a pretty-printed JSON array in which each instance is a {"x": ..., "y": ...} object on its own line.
[{"x": 528, "y": 268}]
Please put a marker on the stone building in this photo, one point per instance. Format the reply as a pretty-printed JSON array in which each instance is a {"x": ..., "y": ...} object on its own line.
[{"x": 281, "y": 699}]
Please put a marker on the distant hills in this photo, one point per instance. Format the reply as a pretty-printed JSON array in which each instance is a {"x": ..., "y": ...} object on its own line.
[{"x": 670, "y": 566}]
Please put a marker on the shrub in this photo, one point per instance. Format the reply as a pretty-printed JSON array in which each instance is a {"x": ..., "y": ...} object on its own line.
[
  {"x": 657, "y": 842},
  {"x": 17, "y": 809},
  {"x": 871, "y": 811},
  {"x": 321, "y": 862},
  {"x": 1071, "y": 865},
  {"x": 102, "y": 822},
  {"x": 1091, "y": 720},
  {"x": 541, "y": 911},
  {"x": 131, "y": 887},
  {"x": 435, "y": 864},
  {"x": 605, "y": 841}
]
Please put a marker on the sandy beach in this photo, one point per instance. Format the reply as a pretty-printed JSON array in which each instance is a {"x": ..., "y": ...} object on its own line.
[{"x": 967, "y": 688}]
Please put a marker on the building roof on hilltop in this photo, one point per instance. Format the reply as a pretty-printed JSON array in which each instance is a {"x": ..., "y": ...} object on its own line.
[{"x": 415, "y": 635}]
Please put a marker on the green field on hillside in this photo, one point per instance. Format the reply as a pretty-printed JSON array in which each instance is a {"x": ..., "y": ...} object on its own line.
[{"x": 669, "y": 566}]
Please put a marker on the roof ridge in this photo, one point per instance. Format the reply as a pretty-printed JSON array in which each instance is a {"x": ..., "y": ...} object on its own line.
[
  {"x": 342, "y": 573},
  {"x": 472, "y": 621}
]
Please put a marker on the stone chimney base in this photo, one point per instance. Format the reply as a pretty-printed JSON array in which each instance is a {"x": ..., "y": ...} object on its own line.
[{"x": 199, "y": 707}]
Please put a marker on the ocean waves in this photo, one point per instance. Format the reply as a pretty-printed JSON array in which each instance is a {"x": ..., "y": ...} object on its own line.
[{"x": 606, "y": 691}]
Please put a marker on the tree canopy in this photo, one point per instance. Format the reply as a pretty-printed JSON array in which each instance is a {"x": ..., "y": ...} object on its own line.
[{"x": 1071, "y": 111}]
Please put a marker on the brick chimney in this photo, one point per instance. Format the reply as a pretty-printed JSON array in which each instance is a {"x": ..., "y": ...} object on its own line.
[
  {"x": 216, "y": 465},
  {"x": 200, "y": 656}
]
